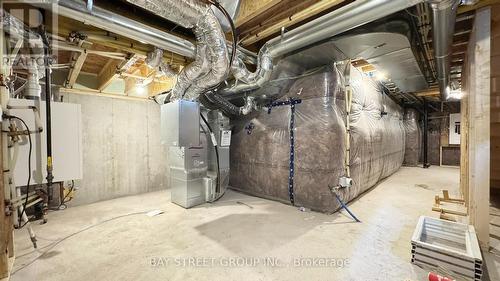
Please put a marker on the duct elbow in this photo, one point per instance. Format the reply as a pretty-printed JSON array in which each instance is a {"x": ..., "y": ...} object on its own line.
[
  {"x": 248, "y": 107},
  {"x": 211, "y": 63}
]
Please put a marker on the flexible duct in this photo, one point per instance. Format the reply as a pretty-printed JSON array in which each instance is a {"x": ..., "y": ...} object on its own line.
[
  {"x": 216, "y": 101},
  {"x": 341, "y": 20},
  {"x": 444, "y": 13},
  {"x": 154, "y": 60},
  {"x": 211, "y": 65}
]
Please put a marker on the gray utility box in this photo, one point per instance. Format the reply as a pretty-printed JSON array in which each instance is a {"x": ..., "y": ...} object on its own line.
[
  {"x": 188, "y": 167},
  {"x": 180, "y": 123}
]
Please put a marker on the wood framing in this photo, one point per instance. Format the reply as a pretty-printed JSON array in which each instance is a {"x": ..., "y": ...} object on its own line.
[
  {"x": 250, "y": 9},
  {"x": 292, "y": 19},
  {"x": 480, "y": 4},
  {"x": 428, "y": 93},
  {"x": 112, "y": 70},
  {"x": 79, "y": 60},
  {"x": 96, "y": 93},
  {"x": 476, "y": 108},
  {"x": 464, "y": 136}
]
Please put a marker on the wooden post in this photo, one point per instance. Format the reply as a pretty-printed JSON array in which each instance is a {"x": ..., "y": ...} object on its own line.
[{"x": 478, "y": 125}]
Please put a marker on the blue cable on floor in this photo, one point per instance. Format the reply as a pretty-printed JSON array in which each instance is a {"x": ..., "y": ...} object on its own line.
[{"x": 345, "y": 207}]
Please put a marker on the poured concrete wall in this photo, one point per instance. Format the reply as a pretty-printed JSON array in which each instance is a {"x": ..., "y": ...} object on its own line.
[{"x": 122, "y": 153}]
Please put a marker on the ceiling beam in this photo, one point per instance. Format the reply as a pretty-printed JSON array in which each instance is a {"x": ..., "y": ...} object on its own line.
[
  {"x": 95, "y": 93},
  {"x": 302, "y": 15},
  {"x": 112, "y": 70},
  {"x": 428, "y": 93},
  {"x": 251, "y": 9},
  {"x": 480, "y": 4},
  {"x": 78, "y": 59}
]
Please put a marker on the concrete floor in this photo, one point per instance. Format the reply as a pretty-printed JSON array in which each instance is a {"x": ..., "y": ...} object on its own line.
[{"x": 208, "y": 242}]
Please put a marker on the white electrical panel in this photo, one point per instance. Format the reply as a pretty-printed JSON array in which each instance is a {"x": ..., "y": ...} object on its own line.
[
  {"x": 225, "y": 138},
  {"x": 454, "y": 128},
  {"x": 66, "y": 142}
]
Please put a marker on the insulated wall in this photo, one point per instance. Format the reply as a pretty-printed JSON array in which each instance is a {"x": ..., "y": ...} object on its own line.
[
  {"x": 260, "y": 150},
  {"x": 413, "y": 138}
]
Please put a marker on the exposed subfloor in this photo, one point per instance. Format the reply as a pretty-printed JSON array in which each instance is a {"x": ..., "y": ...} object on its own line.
[{"x": 211, "y": 239}]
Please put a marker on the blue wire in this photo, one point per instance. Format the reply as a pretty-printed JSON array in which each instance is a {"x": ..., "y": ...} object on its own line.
[{"x": 345, "y": 207}]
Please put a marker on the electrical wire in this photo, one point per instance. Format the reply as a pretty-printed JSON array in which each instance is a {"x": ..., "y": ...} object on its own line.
[
  {"x": 69, "y": 192},
  {"x": 73, "y": 234},
  {"x": 29, "y": 168},
  {"x": 63, "y": 201}
]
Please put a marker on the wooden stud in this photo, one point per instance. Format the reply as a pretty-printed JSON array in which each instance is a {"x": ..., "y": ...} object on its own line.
[
  {"x": 478, "y": 143},
  {"x": 448, "y": 211},
  {"x": 77, "y": 67},
  {"x": 95, "y": 93},
  {"x": 446, "y": 198}
]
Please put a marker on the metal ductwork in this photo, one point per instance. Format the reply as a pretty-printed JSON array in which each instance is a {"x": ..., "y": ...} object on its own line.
[
  {"x": 121, "y": 25},
  {"x": 211, "y": 65},
  {"x": 358, "y": 13},
  {"x": 444, "y": 13},
  {"x": 341, "y": 20},
  {"x": 154, "y": 60},
  {"x": 210, "y": 53}
]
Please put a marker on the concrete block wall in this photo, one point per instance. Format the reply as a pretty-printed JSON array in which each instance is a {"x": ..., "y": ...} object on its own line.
[{"x": 122, "y": 152}]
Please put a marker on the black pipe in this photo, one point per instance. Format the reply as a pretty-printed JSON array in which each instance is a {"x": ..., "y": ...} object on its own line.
[
  {"x": 426, "y": 129},
  {"x": 48, "y": 115}
]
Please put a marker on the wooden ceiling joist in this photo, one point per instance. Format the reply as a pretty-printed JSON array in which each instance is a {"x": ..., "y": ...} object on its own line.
[
  {"x": 90, "y": 92},
  {"x": 480, "y": 4},
  {"x": 112, "y": 71},
  {"x": 76, "y": 68},
  {"x": 295, "y": 18},
  {"x": 428, "y": 93},
  {"x": 251, "y": 9}
]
